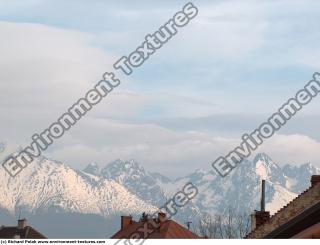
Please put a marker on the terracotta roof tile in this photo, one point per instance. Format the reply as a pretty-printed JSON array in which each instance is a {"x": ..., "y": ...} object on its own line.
[{"x": 169, "y": 230}]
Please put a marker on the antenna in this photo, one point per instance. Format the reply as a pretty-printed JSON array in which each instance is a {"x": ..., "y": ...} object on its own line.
[
  {"x": 167, "y": 211},
  {"x": 263, "y": 195},
  {"x": 188, "y": 224}
]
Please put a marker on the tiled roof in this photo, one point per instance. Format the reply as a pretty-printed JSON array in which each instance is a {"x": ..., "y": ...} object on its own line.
[
  {"x": 27, "y": 232},
  {"x": 169, "y": 230}
]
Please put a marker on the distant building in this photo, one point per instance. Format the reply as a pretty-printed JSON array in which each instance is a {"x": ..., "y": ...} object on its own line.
[
  {"x": 298, "y": 219},
  {"x": 22, "y": 231},
  {"x": 166, "y": 229}
]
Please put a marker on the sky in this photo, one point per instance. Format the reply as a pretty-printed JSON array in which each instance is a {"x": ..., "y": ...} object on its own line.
[{"x": 221, "y": 76}]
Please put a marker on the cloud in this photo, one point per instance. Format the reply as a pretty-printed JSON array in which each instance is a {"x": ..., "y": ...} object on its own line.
[
  {"x": 293, "y": 149},
  {"x": 157, "y": 148},
  {"x": 237, "y": 58},
  {"x": 168, "y": 151},
  {"x": 44, "y": 70},
  {"x": 43, "y": 65}
]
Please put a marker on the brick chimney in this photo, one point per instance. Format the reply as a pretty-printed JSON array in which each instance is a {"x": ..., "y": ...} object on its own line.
[
  {"x": 125, "y": 221},
  {"x": 315, "y": 179},
  {"x": 162, "y": 217},
  {"x": 22, "y": 223},
  {"x": 258, "y": 218}
]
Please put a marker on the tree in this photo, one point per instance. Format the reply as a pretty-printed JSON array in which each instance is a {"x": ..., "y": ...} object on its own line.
[{"x": 227, "y": 225}]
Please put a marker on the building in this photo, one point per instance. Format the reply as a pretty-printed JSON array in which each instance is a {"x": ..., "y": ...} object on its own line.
[
  {"x": 165, "y": 228},
  {"x": 298, "y": 219},
  {"x": 22, "y": 231}
]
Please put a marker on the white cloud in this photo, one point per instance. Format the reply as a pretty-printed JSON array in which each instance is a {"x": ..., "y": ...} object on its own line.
[
  {"x": 103, "y": 140},
  {"x": 44, "y": 70},
  {"x": 165, "y": 150},
  {"x": 170, "y": 152},
  {"x": 293, "y": 149}
]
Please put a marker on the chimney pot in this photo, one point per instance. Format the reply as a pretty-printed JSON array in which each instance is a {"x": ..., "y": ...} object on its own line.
[
  {"x": 162, "y": 217},
  {"x": 315, "y": 179},
  {"x": 125, "y": 221},
  {"x": 22, "y": 223}
]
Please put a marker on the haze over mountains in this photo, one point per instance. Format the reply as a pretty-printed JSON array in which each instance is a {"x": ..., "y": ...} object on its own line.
[{"x": 69, "y": 203}]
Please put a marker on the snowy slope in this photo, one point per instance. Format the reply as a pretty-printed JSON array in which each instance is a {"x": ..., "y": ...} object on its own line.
[
  {"x": 240, "y": 190},
  {"x": 125, "y": 187},
  {"x": 49, "y": 185}
]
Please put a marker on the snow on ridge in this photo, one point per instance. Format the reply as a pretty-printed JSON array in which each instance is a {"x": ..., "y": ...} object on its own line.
[
  {"x": 45, "y": 184},
  {"x": 281, "y": 198},
  {"x": 261, "y": 170},
  {"x": 126, "y": 187}
]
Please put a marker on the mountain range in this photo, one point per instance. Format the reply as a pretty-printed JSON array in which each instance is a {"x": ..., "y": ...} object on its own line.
[{"x": 63, "y": 202}]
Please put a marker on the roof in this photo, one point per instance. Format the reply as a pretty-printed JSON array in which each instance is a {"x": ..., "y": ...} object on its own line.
[
  {"x": 298, "y": 224},
  {"x": 302, "y": 207},
  {"x": 27, "y": 232},
  {"x": 312, "y": 232},
  {"x": 169, "y": 230}
]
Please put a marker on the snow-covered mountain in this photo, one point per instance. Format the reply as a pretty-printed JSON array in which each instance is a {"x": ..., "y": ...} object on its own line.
[
  {"x": 50, "y": 189},
  {"x": 46, "y": 184},
  {"x": 153, "y": 188},
  {"x": 240, "y": 190},
  {"x": 47, "y": 187}
]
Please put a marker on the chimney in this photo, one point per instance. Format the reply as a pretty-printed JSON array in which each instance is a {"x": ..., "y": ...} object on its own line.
[
  {"x": 263, "y": 196},
  {"x": 258, "y": 218},
  {"x": 162, "y": 217},
  {"x": 22, "y": 223},
  {"x": 125, "y": 221},
  {"x": 315, "y": 179}
]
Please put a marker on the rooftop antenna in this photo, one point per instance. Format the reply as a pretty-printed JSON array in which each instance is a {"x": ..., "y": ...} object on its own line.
[
  {"x": 263, "y": 195},
  {"x": 167, "y": 211},
  {"x": 188, "y": 224}
]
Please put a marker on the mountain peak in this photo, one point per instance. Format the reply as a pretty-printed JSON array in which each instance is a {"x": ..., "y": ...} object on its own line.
[
  {"x": 310, "y": 168},
  {"x": 125, "y": 165},
  {"x": 120, "y": 167},
  {"x": 264, "y": 166},
  {"x": 262, "y": 157},
  {"x": 93, "y": 169}
]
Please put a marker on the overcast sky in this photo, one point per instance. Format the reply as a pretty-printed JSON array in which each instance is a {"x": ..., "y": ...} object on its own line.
[{"x": 221, "y": 76}]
